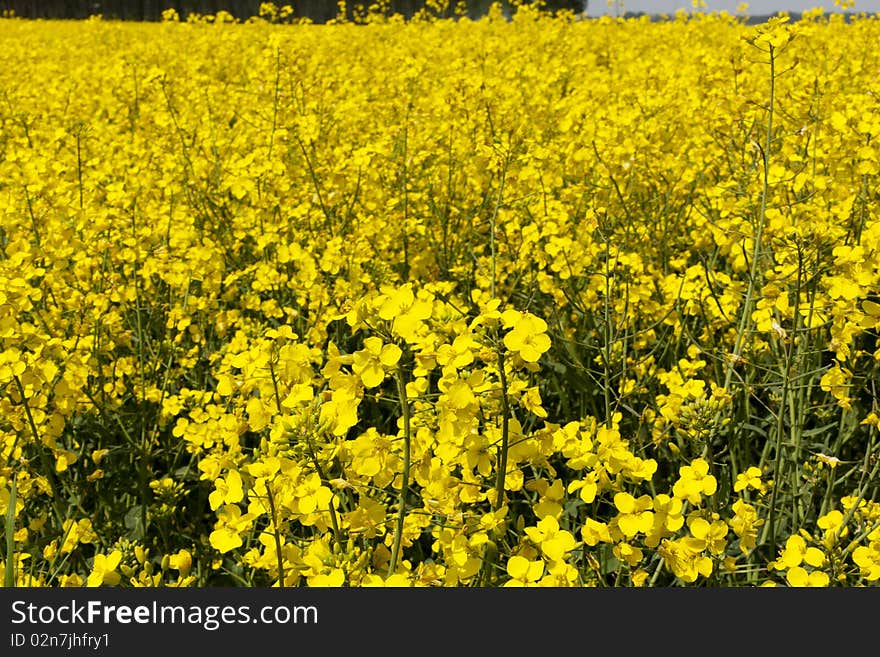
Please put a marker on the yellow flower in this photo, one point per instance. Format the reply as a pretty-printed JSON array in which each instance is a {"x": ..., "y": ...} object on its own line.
[
  {"x": 594, "y": 532},
  {"x": 374, "y": 360},
  {"x": 628, "y": 553},
  {"x": 104, "y": 569},
  {"x": 799, "y": 577},
  {"x": 523, "y": 572},
  {"x": 707, "y": 536},
  {"x": 226, "y": 491},
  {"x": 555, "y": 543},
  {"x": 335, "y": 578},
  {"x": 749, "y": 478},
  {"x": 694, "y": 482},
  {"x": 635, "y": 515},
  {"x": 867, "y": 558},
  {"x": 528, "y": 336},
  {"x": 684, "y": 561},
  {"x": 230, "y": 525},
  {"x": 744, "y": 524},
  {"x": 836, "y": 381},
  {"x": 182, "y": 562},
  {"x": 11, "y": 365}
]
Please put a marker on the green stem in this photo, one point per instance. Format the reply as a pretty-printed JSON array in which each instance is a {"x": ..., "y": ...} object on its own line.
[
  {"x": 759, "y": 231},
  {"x": 276, "y": 533},
  {"x": 748, "y": 302},
  {"x": 39, "y": 445},
  {"x": 606, "y": 347},
  {"x": 328, "y": 218},
  {"x": 145, "y": 455},
  {"x": 30, "y": 207},
  {"x": 9, "y": 529},
  {"x": 863, "y": 489},
  {"x": 490, "y": 553},
  {"x": 79, "y": 171},
  {"x": 505, "y": 436},
  {"x": 275, "y": 102},
  {"x": 333, "y": 521},
  {"x": 404, "y": 484}
]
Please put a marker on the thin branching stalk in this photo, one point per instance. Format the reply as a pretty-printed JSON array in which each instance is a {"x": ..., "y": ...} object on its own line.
[
  {"x": 770, "y": 526},
  {"x": 47, "y": 467},
  {"x": 276, "y": 529},
  {"x": 9, "y": 530},
  {"x": 275, "y": 384},
  {"x": 33, "y": 218},
  {"x": 275, "y": 97},
  {"x": 166, "y": 378},
  {"x": 404, "y": 484},
  {"x": 337, "y": 535},
  {"x": 403, "y": 179},
  {"x": 79, "y": 168},
  {"x": 328, "y": 218},
  {"x": 144, "y": 460},
  {"x": 865, "y": 484},
  {"x": 276, "y": 534},
  {"x": 759, "y": 231},
  {"x": 751, "y": 291},
  {"x": 606, "y": 347},
  {"x": 505, "y": 436},
  {"x": 490, "y": 553},
  {"x": 493, "y": 219}
]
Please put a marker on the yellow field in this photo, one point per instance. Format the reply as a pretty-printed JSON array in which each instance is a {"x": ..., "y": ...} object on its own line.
[{"x": 532, "y": 302}]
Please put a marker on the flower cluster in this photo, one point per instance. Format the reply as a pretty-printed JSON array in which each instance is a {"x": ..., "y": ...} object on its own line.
[{"x": 593, "y": 303}]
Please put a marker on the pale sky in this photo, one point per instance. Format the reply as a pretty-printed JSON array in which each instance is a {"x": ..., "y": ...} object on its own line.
[{"x": 756, "y": 7}]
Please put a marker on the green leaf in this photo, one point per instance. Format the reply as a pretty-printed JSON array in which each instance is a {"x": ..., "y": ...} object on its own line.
[{"x": 134, "y": 523}]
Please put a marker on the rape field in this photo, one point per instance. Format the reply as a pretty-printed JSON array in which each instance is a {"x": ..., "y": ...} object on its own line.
[{"x": 440, "y": 303}]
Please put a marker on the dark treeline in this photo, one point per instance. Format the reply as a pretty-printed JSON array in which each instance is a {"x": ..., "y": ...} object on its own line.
[{"x": 318, "y": 11}]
